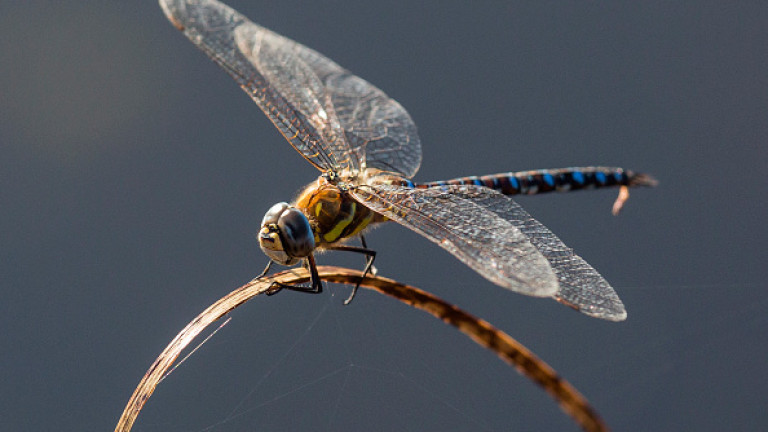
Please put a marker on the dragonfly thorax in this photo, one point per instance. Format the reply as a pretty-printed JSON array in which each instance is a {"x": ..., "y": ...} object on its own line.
[
  {"x": 334, "y": 215},
  {"x": 286, "y": 235}
]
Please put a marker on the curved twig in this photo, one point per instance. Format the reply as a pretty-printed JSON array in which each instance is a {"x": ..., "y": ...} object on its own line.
[{"x": 482, "y": 332}]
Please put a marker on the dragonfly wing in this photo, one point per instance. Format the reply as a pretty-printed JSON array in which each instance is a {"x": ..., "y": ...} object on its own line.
[
  {"x": 266, "y": 67},
  {"x": 335, "y": 119},
  {"x": 276, "y": 59},
  {"x": 378, "y": 129},
  {"x": 476, "y": 235},
  {"x": 581, "y": 286}
]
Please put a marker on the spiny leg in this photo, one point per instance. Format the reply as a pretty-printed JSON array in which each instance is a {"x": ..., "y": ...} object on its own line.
[
  {"x": 371, "y": 256},
  {"x": 264, "y": 273},
  {"x": 374, "y": 270},
  {"x": 316, "y": 285},
  {"x": 266, "y": 270}
]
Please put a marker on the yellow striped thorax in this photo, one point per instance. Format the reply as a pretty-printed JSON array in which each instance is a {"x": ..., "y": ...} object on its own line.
[{"x": 333, "y": 214}]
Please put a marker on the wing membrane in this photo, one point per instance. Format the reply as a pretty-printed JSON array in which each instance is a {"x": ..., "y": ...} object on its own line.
[
  {"x": 274, "y": 56},
  {"x": 335, "y": 119},
  {"x": 434, "y": 212},
  {"x": 473, "y": 233},
  {"x": 581, "y": 286},
  {"x": 378, "y": 129},
  {"x": 236, "y": 44}
]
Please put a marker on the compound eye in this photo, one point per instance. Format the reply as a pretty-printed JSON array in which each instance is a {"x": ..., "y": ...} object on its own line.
[
  {"x": 273, "y": 214},
  {"x": 296, "y": 233}
]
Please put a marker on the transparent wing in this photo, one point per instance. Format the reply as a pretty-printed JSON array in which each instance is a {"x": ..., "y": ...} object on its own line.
[
  {"x": 267, "y": 69},
  {"x": 336, "y": 120},
  {"x": 470, "y": 230},
  {"x": 275, "y": 57},
  {"x": 580, "y": 285},
  {"x": 378, "y": 129}
]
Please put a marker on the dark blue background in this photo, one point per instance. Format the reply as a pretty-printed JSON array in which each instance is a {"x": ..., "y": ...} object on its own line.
[{"x": 134, "y": 175}]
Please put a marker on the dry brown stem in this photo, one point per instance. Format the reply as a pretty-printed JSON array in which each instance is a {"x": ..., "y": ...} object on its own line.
[{"x": 483, "y": 333}]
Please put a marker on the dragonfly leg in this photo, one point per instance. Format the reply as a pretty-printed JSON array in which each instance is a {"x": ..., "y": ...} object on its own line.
[
  {"x": 374, "y": 270},
  {"x": 315, "y": 287},
  {"x": 370, "y": 257},
  {"x": 266, "y": 270},
  {"x": 275, "y": 285}
]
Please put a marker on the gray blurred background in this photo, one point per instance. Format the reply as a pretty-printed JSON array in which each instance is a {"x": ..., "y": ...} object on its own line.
[{"x": 135, "y": 173}]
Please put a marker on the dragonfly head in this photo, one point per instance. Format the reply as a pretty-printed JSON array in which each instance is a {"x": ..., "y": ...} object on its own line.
[{"x": 286, "y": 235}]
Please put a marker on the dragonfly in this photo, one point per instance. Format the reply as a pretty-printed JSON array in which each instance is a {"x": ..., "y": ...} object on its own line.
[{"x": 366, "y": 147}]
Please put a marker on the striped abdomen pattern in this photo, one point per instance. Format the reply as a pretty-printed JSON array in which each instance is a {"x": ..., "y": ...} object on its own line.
[{"x": 551, "y": 180}]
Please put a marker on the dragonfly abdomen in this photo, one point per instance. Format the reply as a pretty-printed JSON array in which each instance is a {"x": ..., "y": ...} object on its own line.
[{"x": 552, "y": 180}]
